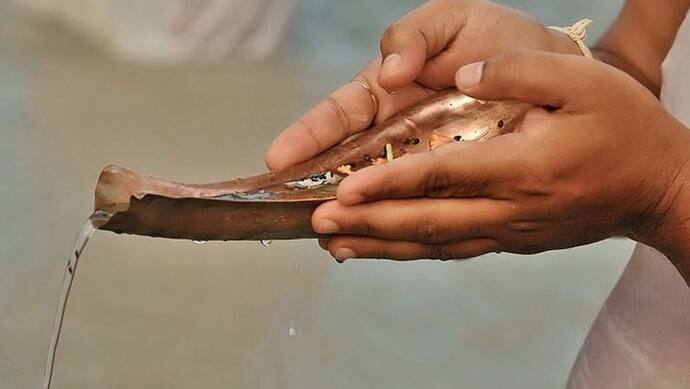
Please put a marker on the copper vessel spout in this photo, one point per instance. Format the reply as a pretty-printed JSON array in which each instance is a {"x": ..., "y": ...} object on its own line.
[{"x": 279, "y": 205}]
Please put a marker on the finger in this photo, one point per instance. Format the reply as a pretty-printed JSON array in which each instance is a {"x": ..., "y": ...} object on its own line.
[
  {"x": 415, "y": 37},
  {"x": 348, "y": 110},
  {"x": 541, "y": 78},
  {"x": 348, "y": 247},
  {"x": 454, "y": 170},
  {"x": 430, "y": 221}
]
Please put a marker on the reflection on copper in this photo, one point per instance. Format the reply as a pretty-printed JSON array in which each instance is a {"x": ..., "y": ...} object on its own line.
[{"x": 265, "y": 207}]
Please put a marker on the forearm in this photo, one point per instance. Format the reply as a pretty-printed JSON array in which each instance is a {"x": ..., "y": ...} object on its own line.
[
  {"x": 641, "y": 37},
  {"x": 667, "y": 229},
  {"x": 650, "y": 79}
]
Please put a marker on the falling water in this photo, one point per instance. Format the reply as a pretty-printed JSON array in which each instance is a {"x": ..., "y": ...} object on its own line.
[
  {"x": 292, "y": 329},
  {"x": 266, "y": 243},
  {"x": 94, "y": 221}
]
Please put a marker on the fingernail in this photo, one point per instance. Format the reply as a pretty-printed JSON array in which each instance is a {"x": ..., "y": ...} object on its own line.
[
  {"x": 470, "y": 75},
  {"x": 390, "y": 64},
  {"x": 343, "y": 254},
  {"x": 326, "y": 226},
  {"x": 353, "y": 198}
]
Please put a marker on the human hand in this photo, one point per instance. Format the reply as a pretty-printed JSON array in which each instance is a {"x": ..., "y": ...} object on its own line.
[
  {"x": 603, "y": 159},
  {"x": 422, "y": 52}
]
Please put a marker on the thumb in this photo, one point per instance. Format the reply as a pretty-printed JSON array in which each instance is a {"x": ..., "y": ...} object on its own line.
[
  {"x": 415, "y": 37},
  {"x": 537, "y": 77}
]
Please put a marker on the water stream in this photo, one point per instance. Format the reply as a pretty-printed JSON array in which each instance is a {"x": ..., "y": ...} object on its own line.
[
  {"x": 90, "y": 225},
  {"x": 96, "y": 220}
]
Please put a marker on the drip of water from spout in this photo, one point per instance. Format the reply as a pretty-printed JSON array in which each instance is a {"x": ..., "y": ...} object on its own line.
[
  {"x": 292, "y": 329},
  {"x": 266, "y": 243},
  {"x": 199, "y": 241},
  {"x": 96, "y": 220}
]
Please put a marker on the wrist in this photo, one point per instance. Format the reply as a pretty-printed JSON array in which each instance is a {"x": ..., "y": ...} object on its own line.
[
  {"x": 669, "y": 228},
  {"x": 673, "y": 237},
  {"x": 562, "y": 44}
]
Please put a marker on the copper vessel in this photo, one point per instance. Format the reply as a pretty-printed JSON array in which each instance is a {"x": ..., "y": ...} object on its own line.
[{"x": 279, "y": 205}]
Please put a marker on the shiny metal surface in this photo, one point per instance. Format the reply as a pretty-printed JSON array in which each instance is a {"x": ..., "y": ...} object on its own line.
[{"x": 149, "y": 206}]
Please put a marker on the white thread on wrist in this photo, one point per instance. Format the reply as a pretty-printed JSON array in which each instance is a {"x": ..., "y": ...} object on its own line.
[{"x": 578, "y": 34}]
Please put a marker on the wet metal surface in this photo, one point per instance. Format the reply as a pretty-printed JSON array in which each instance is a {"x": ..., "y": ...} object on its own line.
[{"x": 148, "y": 206}]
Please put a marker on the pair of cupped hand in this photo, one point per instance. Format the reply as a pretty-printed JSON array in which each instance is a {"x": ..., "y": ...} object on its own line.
[{"x": 598, "y": 156}]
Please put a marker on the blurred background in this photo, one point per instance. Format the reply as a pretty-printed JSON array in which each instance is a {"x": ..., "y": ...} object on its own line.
[{"x": 174, "y": 90}]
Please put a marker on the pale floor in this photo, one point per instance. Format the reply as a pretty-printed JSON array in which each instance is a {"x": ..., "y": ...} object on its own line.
[{"x": 152, "y": 313}]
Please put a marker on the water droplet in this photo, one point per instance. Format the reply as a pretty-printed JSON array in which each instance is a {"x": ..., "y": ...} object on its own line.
[
  {"x": 292, "y": 329},
  {"x": 99, "y": 218},
  {"x": 199, "y": 241},
  {"x": 266, "y": 243}
]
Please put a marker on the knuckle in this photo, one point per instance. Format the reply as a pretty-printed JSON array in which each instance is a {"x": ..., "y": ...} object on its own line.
[
  {"x": 385, "y": 186},
  {"x": 427, "y": 229},
  {"x": 538, "y": 179},
  {"x": 513, "y": 59},
  {"x": 435, "y": 183},
  {"x": 311, "y": 133},
  {"x": 510, "y": 66},
  {"x": 441, "y": 252},
  {"x": 515, "y": 55},
  {"x": 520, "y": 64},
  {"x": 524, "y": 226},
  {"x": 436, "y": 72},
  {"x": 363, "y": 226},
  {"x": 473, "y": 229},
  {"x": 437, "y": 179},
  {"x": 407, "y": 30},
  {"x": 389, "y": 191},
  {"x": 532, "y": 187},
  {"x": 343, "y": 118},
  {"x": 394, "y": 35}
]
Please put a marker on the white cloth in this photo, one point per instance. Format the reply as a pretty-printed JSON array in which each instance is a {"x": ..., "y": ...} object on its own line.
[
  {"x": 174, "y": 30},
  {"x": 641, "y": 338}
]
